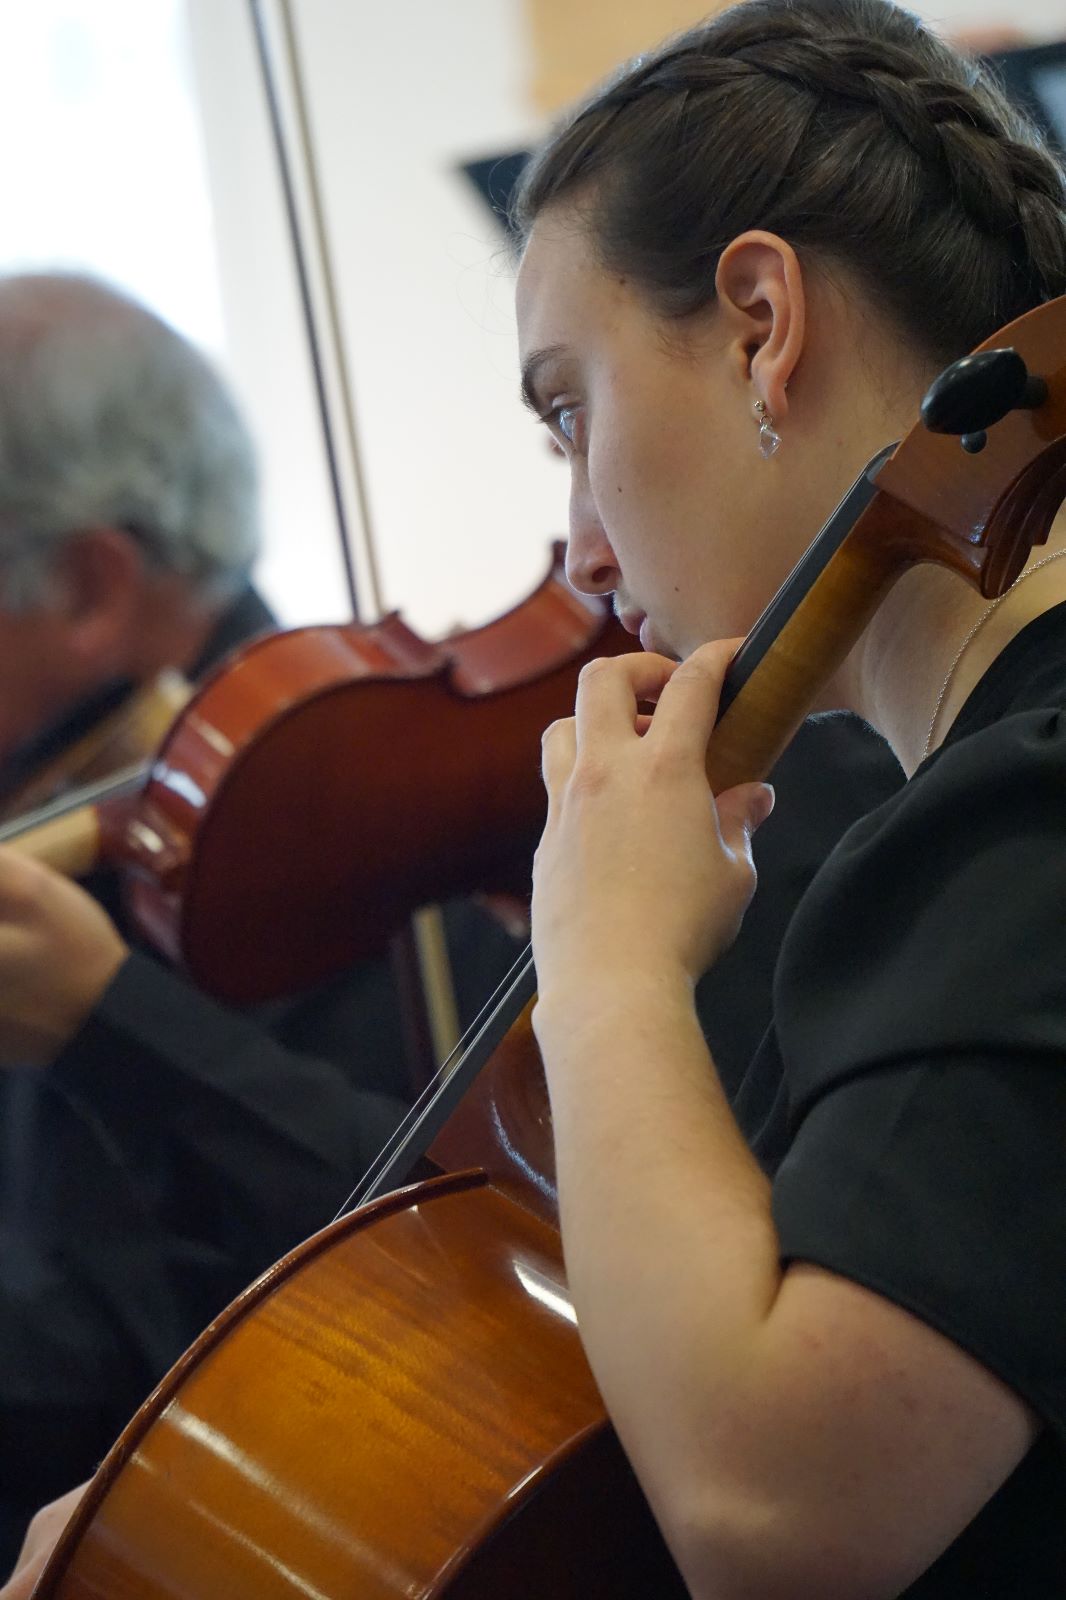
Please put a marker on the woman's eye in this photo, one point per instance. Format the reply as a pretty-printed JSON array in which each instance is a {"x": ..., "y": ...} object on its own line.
[{"x": 570, "y": 423}]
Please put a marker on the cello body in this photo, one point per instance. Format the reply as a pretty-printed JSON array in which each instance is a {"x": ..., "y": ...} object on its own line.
[{"x": 400, "y": 1408}]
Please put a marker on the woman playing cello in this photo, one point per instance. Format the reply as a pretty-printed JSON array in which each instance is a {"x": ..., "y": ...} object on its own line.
[
  {"x": 829, "y": 1321},
  {"x": 827, "y": 1318}
]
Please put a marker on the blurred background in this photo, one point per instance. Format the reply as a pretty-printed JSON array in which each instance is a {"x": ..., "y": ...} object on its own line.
[{"x": 265, "y": 171}]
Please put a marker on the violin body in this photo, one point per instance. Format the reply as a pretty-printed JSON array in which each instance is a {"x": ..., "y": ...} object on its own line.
[{"x": 325, "y": 782}]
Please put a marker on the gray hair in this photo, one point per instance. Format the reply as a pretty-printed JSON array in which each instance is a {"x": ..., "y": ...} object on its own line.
[{"x": 110, "y": 418}]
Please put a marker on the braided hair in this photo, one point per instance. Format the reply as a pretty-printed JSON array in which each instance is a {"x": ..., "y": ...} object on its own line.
[{"x": 844, "y": 126}]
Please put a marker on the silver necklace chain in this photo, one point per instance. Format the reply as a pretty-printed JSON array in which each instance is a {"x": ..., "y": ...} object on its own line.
[{"x": 978, "y": 625}]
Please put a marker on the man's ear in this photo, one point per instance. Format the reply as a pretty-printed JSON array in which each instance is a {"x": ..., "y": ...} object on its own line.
[
  {"x": 98, "y": 590},
  {"x": 761, "y": 294}
]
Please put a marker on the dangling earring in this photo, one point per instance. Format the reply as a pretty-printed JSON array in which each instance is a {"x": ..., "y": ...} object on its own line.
[{"x": 769, "y": 438}]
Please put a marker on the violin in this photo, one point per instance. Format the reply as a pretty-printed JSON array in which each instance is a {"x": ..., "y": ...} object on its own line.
[
  {"x": 325, "y": 782},
  {"x": 401, "y": 1407}
]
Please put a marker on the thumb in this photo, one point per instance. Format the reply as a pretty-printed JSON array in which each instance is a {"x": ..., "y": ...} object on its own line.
[{"x": 741, "y": 811}]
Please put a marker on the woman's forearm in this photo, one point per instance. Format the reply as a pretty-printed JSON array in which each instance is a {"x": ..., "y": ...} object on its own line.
[{"x": 670, "y": 1246}]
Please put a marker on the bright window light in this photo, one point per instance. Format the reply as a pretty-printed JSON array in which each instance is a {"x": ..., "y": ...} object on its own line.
[{"x": 104, "y": 167}]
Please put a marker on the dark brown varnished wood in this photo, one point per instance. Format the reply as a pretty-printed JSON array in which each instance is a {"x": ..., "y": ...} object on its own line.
[
  {"x": 399, "y": 1409},
  {"x": 326, "y": 782},
  {"x": 503, "y": 1126}
]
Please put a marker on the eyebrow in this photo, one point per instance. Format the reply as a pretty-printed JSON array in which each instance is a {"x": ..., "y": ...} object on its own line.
[{"x": 531, "y": 370}]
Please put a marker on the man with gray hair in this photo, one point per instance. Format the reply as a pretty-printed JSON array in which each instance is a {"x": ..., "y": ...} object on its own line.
[
  {"x": 128, "y": 515},
  {"x": 172, "y": 1149}
]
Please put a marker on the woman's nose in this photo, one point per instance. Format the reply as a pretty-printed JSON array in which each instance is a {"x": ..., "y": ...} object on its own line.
[{"x": 590, "y": 561}]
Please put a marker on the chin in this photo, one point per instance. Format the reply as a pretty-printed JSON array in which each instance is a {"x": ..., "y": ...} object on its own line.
[{"x": 655, "y": 644}]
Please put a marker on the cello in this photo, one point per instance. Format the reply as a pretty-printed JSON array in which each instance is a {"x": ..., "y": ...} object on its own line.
[{"x": 401, "y": 1407}]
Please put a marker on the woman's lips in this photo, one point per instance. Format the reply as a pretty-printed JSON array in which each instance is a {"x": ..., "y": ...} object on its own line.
[{"x": 637, "y": 623}]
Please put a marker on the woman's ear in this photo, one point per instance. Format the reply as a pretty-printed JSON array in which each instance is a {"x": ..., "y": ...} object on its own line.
[{"x": 762, "y": 296}]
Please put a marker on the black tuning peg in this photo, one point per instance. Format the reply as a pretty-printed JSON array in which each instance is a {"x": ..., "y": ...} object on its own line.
[{"x": 972, "y": 394}]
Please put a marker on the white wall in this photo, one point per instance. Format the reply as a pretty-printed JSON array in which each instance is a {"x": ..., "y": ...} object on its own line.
[
  {"x": 464, "y": 497},
  {"x": 105, "y": 166},
  {"x": 302, "y": 572}
]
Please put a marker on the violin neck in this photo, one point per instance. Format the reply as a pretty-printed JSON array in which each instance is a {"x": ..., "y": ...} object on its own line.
[
  {"x": 69, "y": 834},
  {"x": 70, "y": 843},
  {"x": 127, "y": 735}
]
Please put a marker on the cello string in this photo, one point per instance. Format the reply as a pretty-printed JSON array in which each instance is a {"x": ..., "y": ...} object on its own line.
[{"x": 402, "y": 1141}]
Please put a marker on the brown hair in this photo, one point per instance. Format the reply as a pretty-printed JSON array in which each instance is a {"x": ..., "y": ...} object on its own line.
[{"x": 846, "y": 127}]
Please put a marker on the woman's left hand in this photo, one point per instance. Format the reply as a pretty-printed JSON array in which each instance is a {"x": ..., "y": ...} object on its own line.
[{"x": 639, "y": 868}]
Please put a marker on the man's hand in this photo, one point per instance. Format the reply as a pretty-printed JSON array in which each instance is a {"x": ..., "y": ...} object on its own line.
[
  {"x": 58, "y": 953},
  {"x": 41, "y": 1538}
]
